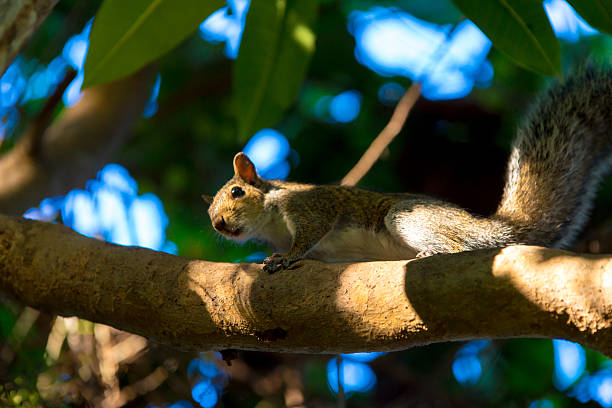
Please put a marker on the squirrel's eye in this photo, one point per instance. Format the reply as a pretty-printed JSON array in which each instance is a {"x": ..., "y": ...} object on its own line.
[{"x": 237, "y": 192}]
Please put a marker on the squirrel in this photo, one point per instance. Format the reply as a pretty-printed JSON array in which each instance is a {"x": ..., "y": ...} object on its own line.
[{"x": 559, "y": 154}]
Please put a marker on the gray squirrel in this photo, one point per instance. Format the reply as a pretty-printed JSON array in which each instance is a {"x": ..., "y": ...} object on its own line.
[{"x": 558, "y": 157}]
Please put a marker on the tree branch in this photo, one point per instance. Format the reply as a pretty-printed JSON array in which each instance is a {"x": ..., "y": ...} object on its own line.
[
  {"x": 33, "y": 135},
  {"x": 19, "y": 19},
  {"x": 75, "y": 146},
  {"x": 318, "y": 307}
]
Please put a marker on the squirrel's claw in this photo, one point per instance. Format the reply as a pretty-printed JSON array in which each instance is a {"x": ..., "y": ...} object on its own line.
[
  {"x": 277, "y": 262},
  {"x": 424, "y": 254}
]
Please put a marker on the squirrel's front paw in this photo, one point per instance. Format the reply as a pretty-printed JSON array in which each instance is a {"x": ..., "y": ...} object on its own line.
[{"x": 277, "y": 262}]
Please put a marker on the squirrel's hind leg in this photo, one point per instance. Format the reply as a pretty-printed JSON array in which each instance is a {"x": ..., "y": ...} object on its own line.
[{"x": 431, "y": 227}]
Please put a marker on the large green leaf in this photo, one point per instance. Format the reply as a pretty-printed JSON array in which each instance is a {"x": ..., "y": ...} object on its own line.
[
  {"x": 276, "y": 46},
  {"x": 127, "y": 34},
  {"x": 520, "y": 29},
  {"x": 598, "y": 13}
]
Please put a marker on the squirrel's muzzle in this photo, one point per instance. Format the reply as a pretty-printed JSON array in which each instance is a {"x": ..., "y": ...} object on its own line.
[{"x": 221, "y": 226}]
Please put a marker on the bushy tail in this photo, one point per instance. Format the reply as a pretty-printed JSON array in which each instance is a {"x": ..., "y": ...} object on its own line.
[{"x": 559, "y": 155}]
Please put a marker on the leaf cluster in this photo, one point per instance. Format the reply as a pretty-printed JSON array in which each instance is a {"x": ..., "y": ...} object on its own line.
[{"x": 279, "y": 39}]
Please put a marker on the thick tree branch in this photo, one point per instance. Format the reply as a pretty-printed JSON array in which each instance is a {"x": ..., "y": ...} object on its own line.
[
  {"x": 19, "y": 19},
  {"x": 75, "y": 146},
  {"x": 317, "y": 307}
]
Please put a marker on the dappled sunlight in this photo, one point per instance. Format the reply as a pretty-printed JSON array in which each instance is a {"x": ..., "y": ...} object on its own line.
[
  {"x": 567, "y": 25},
  {"x": 571, "y": 376},
  {"x": 26, "y": 81},
  {"x": 570, "y": 362},
  {"x": 596, "y": 386},
  {"x": 573, "y": 265},
  {"x": 570, "y": 373},
  {"x": 151, "y": 106},
  {"x": 360, "y": 297},
  {"x": 226, "y": 25},
  {"x": 75, "y": 52},
  {"x": 390, "y": 93},
  {"x": 381, "y": 33},
  {"x": 542, "y": 403},
  {"x": 304, "y": 37},
  {"x": 467, "y": 367},
  {"x": 345, "y": 106},
  {"x": 355, "y": 376},
  {"x": 44, "y": 80},
  {"x": 581, "y": 289},
  {"x": 363, "y": 357},
  {"x": 448, "y": 62},
  {"x": 111, "y": 209},
  {"x": 208, "y": 378},
  {"x": 218, "y": 294}
]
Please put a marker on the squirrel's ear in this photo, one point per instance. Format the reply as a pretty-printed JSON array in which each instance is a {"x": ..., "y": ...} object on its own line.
[
  {"x": 207, "y": 199},
  {"x": 245, "y": 169}
]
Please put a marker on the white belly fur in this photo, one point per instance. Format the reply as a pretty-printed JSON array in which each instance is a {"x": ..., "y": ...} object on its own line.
[{"x": 356, "y": 244}]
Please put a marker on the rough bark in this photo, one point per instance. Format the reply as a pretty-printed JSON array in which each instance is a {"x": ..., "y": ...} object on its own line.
[
  {"x": 19, "y": 19},
  {"x": 316, "y": 307},
  {"x": 75, "y": 146}
]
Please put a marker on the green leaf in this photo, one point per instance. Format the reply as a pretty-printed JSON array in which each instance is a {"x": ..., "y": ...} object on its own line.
[
  {"x": 598, "y": 13},
  {"x": 276, "y": 47},
  {"x": 520, "y": 29},
  {"x": 127, "y": 34}
]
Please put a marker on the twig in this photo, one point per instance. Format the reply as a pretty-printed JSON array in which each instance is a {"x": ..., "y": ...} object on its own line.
[
  {"x": 119, "y": 398},
  {"x": 108, "y": 365},
  {"x": 294, "y": 390},
  {"x": 400, "y": 113},
  {"x": 34, "y": 134},
  {"x": 22, "y": 326},
  {"x": 386, "y": 136}
]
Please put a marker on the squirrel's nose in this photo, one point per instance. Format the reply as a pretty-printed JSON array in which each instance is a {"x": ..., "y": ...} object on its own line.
[{"x": 219, "y": 223}]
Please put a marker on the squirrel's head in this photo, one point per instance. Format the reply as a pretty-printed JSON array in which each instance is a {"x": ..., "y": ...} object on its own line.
[{"x": 236, "y": 207}]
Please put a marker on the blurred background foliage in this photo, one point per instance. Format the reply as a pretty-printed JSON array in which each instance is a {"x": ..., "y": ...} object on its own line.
[{"x": 454, "y": 146}]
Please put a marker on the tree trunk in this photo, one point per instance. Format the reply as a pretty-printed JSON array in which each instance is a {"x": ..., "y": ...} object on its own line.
[{"x": 19, "y": 19}]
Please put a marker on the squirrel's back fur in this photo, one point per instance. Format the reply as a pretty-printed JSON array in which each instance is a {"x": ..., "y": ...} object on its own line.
[{"x": 561, "y": 151}]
